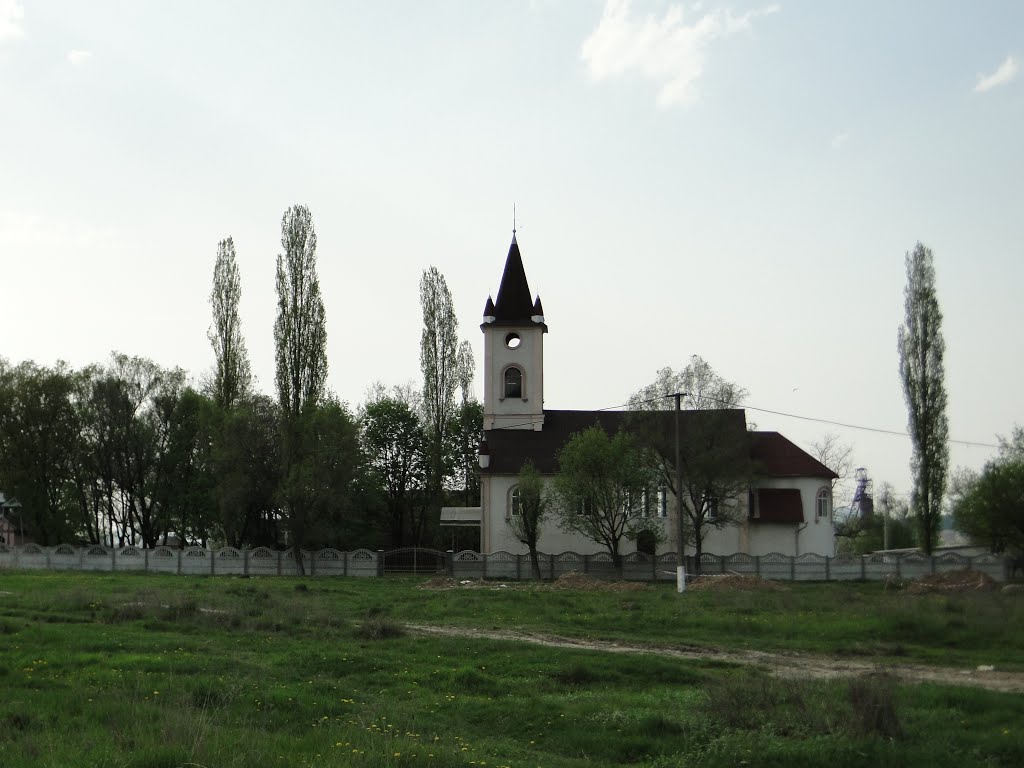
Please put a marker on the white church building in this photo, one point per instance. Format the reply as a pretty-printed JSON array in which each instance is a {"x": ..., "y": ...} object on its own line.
[{"x": 788, "y": 510}]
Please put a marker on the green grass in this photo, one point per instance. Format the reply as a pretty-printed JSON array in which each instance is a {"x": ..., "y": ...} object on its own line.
[{"x": 135, "y": 670}]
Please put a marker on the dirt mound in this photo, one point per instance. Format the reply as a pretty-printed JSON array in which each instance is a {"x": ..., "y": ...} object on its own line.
[
  {"x": 581, "y": 582},
  {"x": 733, "y": 582},
  {"x": 963, "y": 580}
]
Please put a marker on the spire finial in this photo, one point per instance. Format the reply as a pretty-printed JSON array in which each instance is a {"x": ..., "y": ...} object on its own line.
[{"x": 513, "y": 219}]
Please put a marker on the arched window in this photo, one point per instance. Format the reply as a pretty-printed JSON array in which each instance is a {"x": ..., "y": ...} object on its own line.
[
  {"x": 513, "y": 382},
  {"x": 515, "y": 504},
  {"x": 823, "y": 503}
]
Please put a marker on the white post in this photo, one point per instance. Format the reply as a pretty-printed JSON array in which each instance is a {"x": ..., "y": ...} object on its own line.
[{"x": 680, "y": 578}]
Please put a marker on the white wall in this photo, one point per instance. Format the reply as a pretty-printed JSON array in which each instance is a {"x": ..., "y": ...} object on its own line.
[{"x": 752, "y": 537}]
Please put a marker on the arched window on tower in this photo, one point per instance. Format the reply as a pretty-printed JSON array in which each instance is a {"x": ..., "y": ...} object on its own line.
[
  {"x": 513, "y": 382},
  {"x": 823, "y": 503}
]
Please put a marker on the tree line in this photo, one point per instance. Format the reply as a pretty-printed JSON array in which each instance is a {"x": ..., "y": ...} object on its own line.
[{"x": 129, "y": 452}]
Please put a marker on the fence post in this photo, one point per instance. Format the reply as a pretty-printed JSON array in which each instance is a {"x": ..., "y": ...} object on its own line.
[
  {"x": 145, "y": 560},
  {"x": 344, "y": 563},
  {"x": 312, "y": 562},
  {"x": 792, "y": 568},
  {"x": 898, "y": 574},
  {"x": 519, "y": 563},
  {"x": 450, "y": 565},
  {"x": 931, "y": 564},
  {"x": 48, "y": 557},
  {"x": 586, "y": 563},
  {"x": 551, "y": 564},
  {"x": 81, "y": 557},
  {"x": 483, "y": 571},
  {"x": 828, "y": 568},
  {"x": 178, "y": 568},
  {"x": 280, "y": 554},
  {"x": 245, "y": 561},
  {"x": 113, "y": 559},
  {"x": 757, "y": 565},
  {"x": 654, "y": 567},
  {"x": 863, "y": 569},
  {"x": 213, "y": 562},
  {"x": 380, "y": 562}
]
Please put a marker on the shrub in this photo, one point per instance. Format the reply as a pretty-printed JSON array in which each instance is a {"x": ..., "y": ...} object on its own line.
[
  {"x": 379, "y": 629},
  {"x": 872, "y": 698}
]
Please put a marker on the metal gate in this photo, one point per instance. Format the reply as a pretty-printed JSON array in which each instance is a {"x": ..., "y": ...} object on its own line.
[{"x": 415, "y": 560}]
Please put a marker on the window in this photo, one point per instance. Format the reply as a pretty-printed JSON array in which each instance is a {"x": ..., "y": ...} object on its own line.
[
  {"x": 712, "y": 509},
  {"x": 752, "y": 510},
  {"x": 663, "y": 502},
  {"x": 512, "y": 341},
  {"x": 515, "y": 504},
  {"x": 823, "y": 504},
  {"x": 513, "y": 382}
]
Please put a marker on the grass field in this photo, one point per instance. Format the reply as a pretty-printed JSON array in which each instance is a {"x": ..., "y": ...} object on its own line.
[{"x": 136, "y": 670}]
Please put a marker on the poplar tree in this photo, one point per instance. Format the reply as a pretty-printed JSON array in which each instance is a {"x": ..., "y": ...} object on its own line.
[
  {"x": 300, "y": 330},
  {"x": 439, "y": 364},
  {"x": 231, "y": 377},
  {"x": 300, "y": 341},
  {"x": 921, "y": 349}
]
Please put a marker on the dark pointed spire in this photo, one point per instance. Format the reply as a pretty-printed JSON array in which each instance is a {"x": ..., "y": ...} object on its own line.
[
  {"x": 513, "y": 304},
  {"x": 489, "y": 311},
  {"x": 538, "y": 308}
]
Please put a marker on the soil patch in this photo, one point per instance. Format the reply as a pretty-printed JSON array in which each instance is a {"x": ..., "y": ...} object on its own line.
[
  {"x": 581, "y": 582},
  {"x": 780, "y": 664},
  {"x": 734, "y": 582},
  {"x": 963, "y": 580}
]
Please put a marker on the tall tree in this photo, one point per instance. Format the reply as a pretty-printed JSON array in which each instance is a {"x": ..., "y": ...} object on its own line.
[
  {"x": 714, "y": 452},
  {"x": 921, "y": 349},
  {"x": 600, "y": 489},
  {"x": 300, "y": 340},
  {"x": 231, "y": 377},
  {"x": 395, "y": 447},
  {"x": 439, "y": 364}
]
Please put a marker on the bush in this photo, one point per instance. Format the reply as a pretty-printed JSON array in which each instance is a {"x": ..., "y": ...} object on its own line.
[
  {"x": 872, "y": 699},
  {"x": 379, "y": 629}
]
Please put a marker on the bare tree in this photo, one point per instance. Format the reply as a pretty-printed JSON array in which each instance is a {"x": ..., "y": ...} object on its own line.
[
  {"x": 837, "y": 456},
  {"x": 921, "y": 348},
  {"x": 714, "y": 452},
  {"x": 529, "y": 512}
]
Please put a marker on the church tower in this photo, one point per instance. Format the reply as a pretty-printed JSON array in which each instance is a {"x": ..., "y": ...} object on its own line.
[{"x": 514, "y": 331}]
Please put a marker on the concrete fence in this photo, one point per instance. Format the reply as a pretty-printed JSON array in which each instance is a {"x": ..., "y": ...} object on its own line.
[{"x": 506, "y": 566}]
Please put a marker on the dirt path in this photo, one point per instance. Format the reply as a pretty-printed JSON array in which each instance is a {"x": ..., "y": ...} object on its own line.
[{"x": 782, "y": 664}]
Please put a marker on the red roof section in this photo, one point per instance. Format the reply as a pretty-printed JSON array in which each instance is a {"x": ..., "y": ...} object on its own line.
[{"x": 776, "y": 456}]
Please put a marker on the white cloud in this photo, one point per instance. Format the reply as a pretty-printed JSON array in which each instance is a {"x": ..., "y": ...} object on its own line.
[
  {"x": 78, "y": 58},
  {"x": 668, "y": 51},
  {"x": 11, "y": 14},
  {"x": 1006, "y": 72},
  {"x": 839, "y": 140}
]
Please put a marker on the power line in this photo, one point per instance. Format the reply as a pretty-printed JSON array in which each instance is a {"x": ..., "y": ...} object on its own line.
[{"x": 845, "y": 425}]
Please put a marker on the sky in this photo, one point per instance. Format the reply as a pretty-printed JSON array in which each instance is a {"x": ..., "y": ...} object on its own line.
[{"x": 737, "y": 181}]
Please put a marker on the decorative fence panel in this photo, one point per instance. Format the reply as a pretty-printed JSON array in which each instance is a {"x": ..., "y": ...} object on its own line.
[{"x": 503, "y": 566}]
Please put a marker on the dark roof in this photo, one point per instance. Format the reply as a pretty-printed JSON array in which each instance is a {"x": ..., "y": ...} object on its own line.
[
  {"x": 779, "y": 505},
  {"x": 510, "y": 448},
  {"x": 774, "y": 455},
  {"x": 513, "y": 305}
]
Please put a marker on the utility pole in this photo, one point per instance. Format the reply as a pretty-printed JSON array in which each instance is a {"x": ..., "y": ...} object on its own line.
[{"x": 680, "y": 539}]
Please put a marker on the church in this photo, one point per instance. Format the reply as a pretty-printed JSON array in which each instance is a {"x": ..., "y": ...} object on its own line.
[{"x": 788, "y": 508}]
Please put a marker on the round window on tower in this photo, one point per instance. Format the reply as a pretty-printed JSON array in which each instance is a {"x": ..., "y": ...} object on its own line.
[{"x": 512, "y": 341}]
